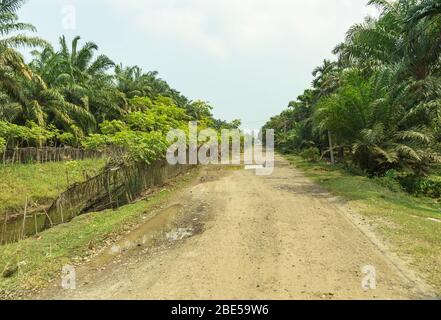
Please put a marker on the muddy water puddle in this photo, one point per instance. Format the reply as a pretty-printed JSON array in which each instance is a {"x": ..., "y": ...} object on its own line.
[{"x": 172, "y": 224}]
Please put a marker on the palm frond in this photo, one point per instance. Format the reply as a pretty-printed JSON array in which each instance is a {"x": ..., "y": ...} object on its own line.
[{"x": 415, "y": 136}]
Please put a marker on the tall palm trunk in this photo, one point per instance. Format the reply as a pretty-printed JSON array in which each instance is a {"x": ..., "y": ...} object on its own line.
[{"x": 331, "y": 147}]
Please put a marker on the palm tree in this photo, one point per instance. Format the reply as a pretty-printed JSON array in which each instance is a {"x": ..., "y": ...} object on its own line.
[
  {"x": 422, "y": 22},
  {"x": 12, "y": 64},
  {"x": 87, "y": 81},
  {"x": 382, "y": 98},
  {"x": 132, "y": 82},
  {"x": 407, "y": 34},
  {"x": 79, "y": 63},
  {"x": 47, "y": 105},
  {"x": 9, "y": 110},
  {"x": 373, "y": 43},
  {"x": 369, "y": 120},
  {"x": 426, "y": 9},
  {"x": 326, "y": 77},
  {"x": 83, "y": 80}
]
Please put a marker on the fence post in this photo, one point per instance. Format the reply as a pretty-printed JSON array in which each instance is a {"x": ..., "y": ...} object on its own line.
[
  {"x": 5, "y": 225},
  {"x": 35, "y": 223},
  {"x": 23, "y": 232}
]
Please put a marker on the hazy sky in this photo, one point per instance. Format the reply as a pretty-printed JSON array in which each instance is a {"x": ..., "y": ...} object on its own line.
[{"x": 249, "y": 58}]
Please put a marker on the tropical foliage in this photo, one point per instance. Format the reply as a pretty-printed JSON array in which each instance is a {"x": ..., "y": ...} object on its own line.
[
  {"x": 379, "y": 102},
  {"x": 74, "y": 95}
]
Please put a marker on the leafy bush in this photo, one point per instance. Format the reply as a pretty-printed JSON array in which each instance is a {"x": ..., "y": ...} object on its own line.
[
  {"x": 33, "y": 135},
  {"x": 140, "y": 146},
  {"x": 14, "y": 134},
  {"x": 389, "y": 183},
  {"x": 67, "y": 138},
  {"x": 140, "y": 103},
  {"x": 39, "y": 135},
  {"x": 2, "y": 144},
  {"x": 418, "y": 185},
  {"x": 311, "y": 154},
  {"x": 353, "y": 169},
  {"x": 112, "y": 127}
]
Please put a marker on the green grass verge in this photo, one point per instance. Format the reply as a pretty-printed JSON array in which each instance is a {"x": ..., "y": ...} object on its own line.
[
  {"x": 401, "y": 219},
  {"x": 41, "y": 260},
  {"x": 41, "y": 183}
]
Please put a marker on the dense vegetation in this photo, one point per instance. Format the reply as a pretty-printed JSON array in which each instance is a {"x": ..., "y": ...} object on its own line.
[
  {"x": 379, "y": 103},
  {"x": 74, "y": 96}
]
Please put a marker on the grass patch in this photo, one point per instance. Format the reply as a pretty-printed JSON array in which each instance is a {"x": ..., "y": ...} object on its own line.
[
  {"x": 40, "y": 260},
  {"x": 400, "y": 218},
  {"x": 41, "y": 183}
]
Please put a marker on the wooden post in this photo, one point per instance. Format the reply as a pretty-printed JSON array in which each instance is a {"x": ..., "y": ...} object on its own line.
[
  {"x": 331, "y": 148},
  {"x": 62, "y": 213},
  {"x": 13, "y": 155},
  {"x": 23, "y": 232},
  {"x": 108, "y": 189},
  {"x": 48, "y": 219},
  {"x": 35, "y": 222},
  {"x": 4, "y": 152}
]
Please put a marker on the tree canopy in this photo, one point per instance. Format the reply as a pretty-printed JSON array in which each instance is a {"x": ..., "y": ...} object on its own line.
[
  {"x": 72, "y": 94},
  {"x": 380, "y": 100}
]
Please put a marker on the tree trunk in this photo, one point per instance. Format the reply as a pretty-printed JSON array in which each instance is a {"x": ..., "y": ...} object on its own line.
[{"x": 331, "y": 148}]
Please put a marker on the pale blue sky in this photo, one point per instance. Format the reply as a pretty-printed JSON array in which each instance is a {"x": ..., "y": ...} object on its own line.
[{"x": 247, "y": 57}]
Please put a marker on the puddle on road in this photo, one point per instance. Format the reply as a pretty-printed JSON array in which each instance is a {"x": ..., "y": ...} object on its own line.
[
  {"x": 144, "y": 236},
  {"x": 172, "y": 224},
  {"x": 179, "y": 234},
  {"x": 147, "y": 232}
]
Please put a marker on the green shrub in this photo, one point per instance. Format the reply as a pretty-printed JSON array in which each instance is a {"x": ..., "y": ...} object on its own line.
[
  {"x": 140, "y": 146},
  {"x": 67, "y": 138},
  {"x": 311, "y": 154},
  {"x": 353, "y": 169},
  {"x": 2, "y": 144},
  {"x": 112, "y": 127},
  {"x": 97, "y": 142},
  {"x": 389, "y": 183},
  {"x": 423, "y": 186}
]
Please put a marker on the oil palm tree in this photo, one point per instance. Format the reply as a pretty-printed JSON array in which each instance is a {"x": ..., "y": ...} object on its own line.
[
  {"x": 131, "y": 81},
  {"x": 326, "y": 77},
  {"x": 47, "y": 105},
  {"x": 426, "y": 9},
  {"x": 407, "y": 33},
  {"x": 9, "y": 110},
  {"x": 81, "y": 78},
  {"x": 373, "y": 124},
  {"x": 79, "y": 63},
  {"x": 12, "y": 65}
]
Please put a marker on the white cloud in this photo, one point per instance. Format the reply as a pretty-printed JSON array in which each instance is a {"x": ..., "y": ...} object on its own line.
[{"x": 225, "y": 27}]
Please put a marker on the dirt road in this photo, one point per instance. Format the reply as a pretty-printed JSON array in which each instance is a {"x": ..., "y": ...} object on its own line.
[{"x": 235, "y": 235}]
